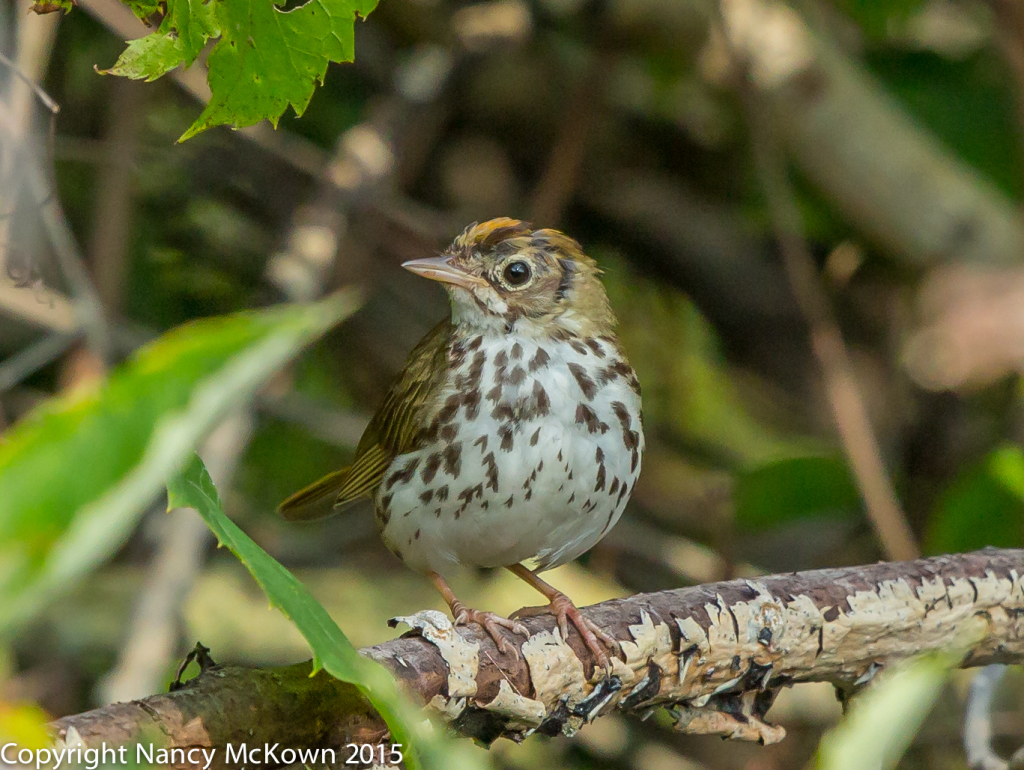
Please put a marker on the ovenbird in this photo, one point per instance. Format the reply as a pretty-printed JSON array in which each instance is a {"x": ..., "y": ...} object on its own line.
[{"x": 513, "y": 433}]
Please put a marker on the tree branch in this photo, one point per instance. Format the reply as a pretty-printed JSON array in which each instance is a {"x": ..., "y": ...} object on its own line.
[{"x": 716, "y": 653}]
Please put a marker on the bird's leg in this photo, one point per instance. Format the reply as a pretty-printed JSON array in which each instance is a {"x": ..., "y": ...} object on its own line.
[
  {"x": 564, "y": 610},
  {"x": 491, "y": 622}
]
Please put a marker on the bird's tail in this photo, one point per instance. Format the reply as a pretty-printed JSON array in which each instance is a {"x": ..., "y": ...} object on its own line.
[{"x": 317, "y": 500}]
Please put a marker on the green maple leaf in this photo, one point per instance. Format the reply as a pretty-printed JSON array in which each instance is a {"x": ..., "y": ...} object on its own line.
[{"x": 265, "y": 58}]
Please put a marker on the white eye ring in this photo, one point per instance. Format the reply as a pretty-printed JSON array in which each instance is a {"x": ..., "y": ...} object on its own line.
[{"x": 516, "y": 274}]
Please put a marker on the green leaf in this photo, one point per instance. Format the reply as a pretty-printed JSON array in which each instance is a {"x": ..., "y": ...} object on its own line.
[
  {"x": 883, "y": 720},
  {"x": 265, "y": 59},
  {"x": 331, "y": 648},
  {"x": 77, "y": 474},
  {"x": 143, "y": 9},
  {"x": 51, "y": 6},
  {"x": 984, "y": 506},
  {"x": 795, "y": 488}
]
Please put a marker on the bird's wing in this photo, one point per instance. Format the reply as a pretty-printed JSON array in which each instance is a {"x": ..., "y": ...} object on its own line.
[{"x": 393, "y": 430}]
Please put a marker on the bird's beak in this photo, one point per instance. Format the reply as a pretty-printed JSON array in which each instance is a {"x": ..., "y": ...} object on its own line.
[{"x": 441, "y": 269}]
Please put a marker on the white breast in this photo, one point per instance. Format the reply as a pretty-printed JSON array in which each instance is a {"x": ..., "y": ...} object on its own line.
[{"x": 537, "y": 449}]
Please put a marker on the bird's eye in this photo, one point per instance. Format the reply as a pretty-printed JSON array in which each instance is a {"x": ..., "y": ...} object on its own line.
[{"x": 516, "y": 273}]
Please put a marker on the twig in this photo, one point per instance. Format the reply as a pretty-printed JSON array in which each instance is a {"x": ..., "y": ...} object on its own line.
[
  {"x": 565, "y": 160},
  {"x": 717, "y": 653},
  {"x": 14, "y": 120},
  {"x": 848, "y": 409},
  {"x": 978, "y": 720},
  {"x": 335, "y": 426},
  {"x": 885, "y": 174},
  {"x": 29, "y": 360},
  {"x": 40, "y": 94},
  {"x": 108, "y": 247},
  {"x": 86, "y": 302}
]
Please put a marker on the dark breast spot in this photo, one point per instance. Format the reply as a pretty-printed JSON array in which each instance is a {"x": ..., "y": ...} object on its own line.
[
  {"x": 503, "y": 412},
  {"x": 517, "y": 352},
  {"x": 588, "y": 417},
  {"x": 476, "y": 370},
  {"x": 586, "y": 384},
  {"x": 595, "y": 347},
  {"x": 430, "y": 467},
  {"x": 630, "y": 438},
  {"x": 404, "y": 475},
  {"x": 505, "y": 432},
  {"x": 540, "y": 359},
  {"x": 471, "y": 399},
  {"x": 617, "y": 370},
  {"x": 456, "y": 355},
  {"x": 467, "y": 495},
  {"x": 491, "y": 471},
  {"x": 452, "y": 457},
  {"x": 541, "y": 400},
  {"x": 622, "y": 492},
  {"x": 450, "y": 408}
]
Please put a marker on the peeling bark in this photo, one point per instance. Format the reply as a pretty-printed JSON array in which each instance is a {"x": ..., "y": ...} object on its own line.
[{"x": 717, "y": 654}]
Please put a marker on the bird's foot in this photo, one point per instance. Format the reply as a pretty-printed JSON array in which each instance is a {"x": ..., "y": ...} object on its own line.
[
  {"x": 565, "y": 612},
  {"x": 492, "y": 623}
]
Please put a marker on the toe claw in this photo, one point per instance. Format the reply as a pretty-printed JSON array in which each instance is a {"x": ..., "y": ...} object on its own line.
[{"x": 493, "y": 625}]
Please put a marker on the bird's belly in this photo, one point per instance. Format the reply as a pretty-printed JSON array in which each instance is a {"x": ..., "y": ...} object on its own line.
[{"x": 504, "y": 490}]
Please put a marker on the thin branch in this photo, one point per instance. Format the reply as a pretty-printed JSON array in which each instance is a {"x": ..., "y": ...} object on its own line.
[
  {"x": 31, "y": 359},
  {"x": 716, "y": 654},
  {"x": 887, "y": 176},
  {"x": 978, "y": 720},
  {"x": 112, "y": 219},
  {"x": 565, "y": 160},
  {"x": 845, "y": 400}
]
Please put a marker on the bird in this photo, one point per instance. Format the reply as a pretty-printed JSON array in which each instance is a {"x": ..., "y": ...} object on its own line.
[{"x": 512, "y": 436}]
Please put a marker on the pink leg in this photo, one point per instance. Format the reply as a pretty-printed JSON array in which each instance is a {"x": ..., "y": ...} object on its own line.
[
  {"x": 565, "y": 611},
  {"x": 491, "y": 622}
]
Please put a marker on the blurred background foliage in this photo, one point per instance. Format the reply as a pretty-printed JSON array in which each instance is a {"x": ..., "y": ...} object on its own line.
[{"x": 618, "y": 122}]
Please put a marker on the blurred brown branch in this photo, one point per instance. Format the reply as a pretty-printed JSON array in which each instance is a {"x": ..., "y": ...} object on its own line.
[
  {"x": 845, "y": 398},
  {"x": 891, "y": 179},
  {"x": 717, "y": 653}
]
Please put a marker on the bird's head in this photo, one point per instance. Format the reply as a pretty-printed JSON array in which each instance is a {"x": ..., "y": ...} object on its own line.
[{"x": 503, "y": 275}]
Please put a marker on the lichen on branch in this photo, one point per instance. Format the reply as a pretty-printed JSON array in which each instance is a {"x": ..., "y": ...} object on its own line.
[{"x": 716, "y": 654}]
